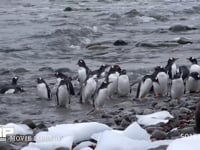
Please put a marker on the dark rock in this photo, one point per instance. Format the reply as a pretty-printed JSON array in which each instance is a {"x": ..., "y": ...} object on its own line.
[
  {"x": 174, "y": 133},
  {"x": 46, "y": 69},
  {"x": 183, "y": 40},
  {"x": 118, "y": 120},
  {"x": 185, "y": 110},
  {"x": 5, "y": 146},
  {"x": 106, "y": 116},
  {"x": 68, "y": 9},
  {"x": 187, "y": 130},
  {"x": 63, "y": 70},
  {"x": 62, "y": 148},
  {"x": 197, "y": 118},
  {"x": 120, "y": 43},
  {"x": 124, "y": 123},
  {"x": 180, "y": 28},
  {"x": 29, "y": 123},
  {"x": 41, "y": 126},
  {"x": 150, "y": 129},
  {"x": 155, "y": 45},
  {"x": 162, "y": 147},
  {"x": 133, "y": 13},
  {"x": 159, "y": 135}
]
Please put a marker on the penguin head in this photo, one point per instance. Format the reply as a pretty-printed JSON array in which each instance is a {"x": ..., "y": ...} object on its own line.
[
  {"x": 172, "y": 60},
  {"x": 123, "y": 72},
  {"x": 195, "y": 75},
  {"x": 14, "y": 80},
  {"x": 81, "y": 63},
  {"x": 60, "y": 75},
  {"x": 192, "y": 60},
  {"x": 117, "y": 68},
  {"x": 40, "y": 80}
]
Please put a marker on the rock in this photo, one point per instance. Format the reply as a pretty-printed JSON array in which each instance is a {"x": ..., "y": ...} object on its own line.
[
  {"x": 159, "y": 135},
  {"x": 120, "y": 43},
  {"x": 187, "y": 130},
  {"x": 161, "y": 105},
  {"x": 118, "y": 120},
  {"x": 138, "y": 110},
  {"x": 68, "y": 9},
  {"x": 124, "y": 123},
  {"x": 62, "y": 148},
  {"x": 162, "y": 147},
  {"x": 183, "y": 40},
  {"x": 150, "y": 129},
  {"x": 106, "y": 116},
  {"x": 185, "y": 110},
  {"x": 197, "y": 118},
  {"x": 147, "y": 111},
  {"x": 42, "y": 126},
  {"x": 180, "y": 28},
  {"x": 20, "y": 70},
  {"x": 29, "y": 123},
  {"x": 174, "y": 133},
  {"x": 133, "y": 13},
  {"x": 6, "y": 146}
]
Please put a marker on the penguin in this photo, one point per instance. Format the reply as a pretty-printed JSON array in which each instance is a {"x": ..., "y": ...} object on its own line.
[
  {"x": 194, "y": 67},
  {"x": 12, "y": 88},
  {"x": 63, "y": 94},
  {"x": 89, "y": 90},
  {"x": 43, "y": 89},
  {"x": 101, "y": 96},
  {"x": 171, "y": 67},
  {"x": 112, "y": 78},
  {"x": 161, "y": 87},
  {"x": 184, "y": 71},
  {"x": 123, "y": 88},
  {"x": 83, "y": 71},
  {"x": 177, "y": 89},
  {"x": 100, "y": 73},
  {"x": 193, "y": 82},
  {"x": 145, "y": 85}
]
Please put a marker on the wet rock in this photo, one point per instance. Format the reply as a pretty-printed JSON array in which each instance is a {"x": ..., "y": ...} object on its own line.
[
  {"x": 150, "y": 129},
  {"x": 125, "y": 123},
  {"x": 42, "y": 126},
  {"x": 159, "y": 135},
  {"x": 62, "y": 148},
  {"x": 162, "y": 147},
  {"x": 174, "y": 134},
  {"x": 187, "y": 130},
  {"x": 155, "y": 45},
  {"x": 185, "y": 110},
  {"x": 133, "y": 13},
  {"x": 106, "y": 116},
  {"x": 5, "y": 146},
  {"x": 181, "y": 28},
  {"x": 118, "y": 120},
  {"x": 29, "y": 123},
  {"x": 46, "y": 69},
  {"x": 120, "y": 43},
  {"x": 183, "y": 40},
  {"x": 197, "y": 118},
  {"x": 147, "y": 111},
  {"x": 20, "y": 70},
  {"x": 68, "y": 9},
  {"x": 63, "y": 70}
]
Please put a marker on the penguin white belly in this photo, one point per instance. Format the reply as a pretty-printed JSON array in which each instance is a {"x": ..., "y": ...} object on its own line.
[
  {"x": 177, "y": 89},
  {"x": 42, "y": 91},
  {"x": 101, "y": 98},
  {"x": 162, "y": 87},
  {"x": 192, "y": 85},
  {"x": 10, "y": 91},
  {"x": 174, "y": 69},
  {"x": 112, "y": 87},
  {"x": 195, "y": 68},
  {"x": 82, "y": 74},
  {"x": 89, "y": 89},
  {"x": 55, "y": 87},
  {"x": 123, "y": 85},
  {"x": 63, "y": 96},
  {"x": 145, "y": 88}
]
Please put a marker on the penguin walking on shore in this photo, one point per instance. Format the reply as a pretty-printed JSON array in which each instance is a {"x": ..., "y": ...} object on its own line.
[
  {"x": 194, "y": 67},
  {"x": 193, "y": 83},
  {"x": 123, "y": 88},
  {"x": 83, "y": 71},
  {"x": 171, "y": 67},
  {"x": 145, "y": 86},
  {"x": 161, "y": 87},
  {"x": 63, "y": 94},
  {"x": 43, "y": 89},
  {"x": 11, "y": 88},
  {"x": 177, "y": 89}
]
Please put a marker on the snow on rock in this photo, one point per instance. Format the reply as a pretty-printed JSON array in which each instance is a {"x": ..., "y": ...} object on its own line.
[
  {"x": 154, "y": 118},
  {"x": 20, "y": 129},
  {"x": 86, "y": 148},
  {"x": 30, "y": 148},
  {"x": 186, "y": 143},
  {"x": 114, "y": 141},
  {"x": 83, "y": 145}
]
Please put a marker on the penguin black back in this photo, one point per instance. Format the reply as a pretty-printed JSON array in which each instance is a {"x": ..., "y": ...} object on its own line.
[
  {"x": 40, "y": 81},
  {"x": 195, "y": 75},
  {"x": 193, "y": 60},
  {"x": 184, "y": 71}
]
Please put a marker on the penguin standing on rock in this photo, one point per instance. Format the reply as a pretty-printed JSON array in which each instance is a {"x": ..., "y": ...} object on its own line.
[
  {"x": 177, "y": 89},
  {"x": 123, "y": 84},
  {"x": 63, "y": 94},
  {"x": 145, "y": 86},
  {"x": 171, "y": 67},
  {"x": 193, "y": 82},
  {"x": 83, "y": 71},
  {"x": 194, "y": 67},
  {"x": 43, "y": 89},
  {"x": 160, "y": 87}
]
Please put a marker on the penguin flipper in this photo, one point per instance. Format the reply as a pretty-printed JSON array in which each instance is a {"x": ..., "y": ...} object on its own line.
[
  {"x": 71, "y": 88},
  {"x": 138, "y": 90}
]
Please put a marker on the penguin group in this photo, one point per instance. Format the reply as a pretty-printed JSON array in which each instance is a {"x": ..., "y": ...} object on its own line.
[
  {"x": 171, "y": 80},
  {"x": 108, "y": 81}
]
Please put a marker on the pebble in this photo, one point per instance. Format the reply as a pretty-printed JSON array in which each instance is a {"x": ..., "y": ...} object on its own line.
[
  {"x": 181, "y": 28},
  {"x": 120, "y": 43},
  {"x": 159, "y": 135},
  {"x": 68, "y": 9}
]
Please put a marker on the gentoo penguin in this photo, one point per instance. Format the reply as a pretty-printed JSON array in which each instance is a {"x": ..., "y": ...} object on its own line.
[
  {"x": 145, "y": 85},
  {"x": 171, "y": 67},
  {"x": 100, "y": 73},
  {"x": 112, "y": 78},
  {"x": 177, "y": 89},
  {"x": 83, "y": 71},
  {"x": 194, "y": 67},
  {"x": 63, "y": 95},
  {"x": 193, "y": 82},
  {"x": 123, "y": 88},
  {"x": 102, "y": 95},
  {"x": 184, "y": 71},
  {"x": 12, "y": 88},
  {"x": 161, "y": 87},
  {"x": 89, "y": 89},
  {"x": 43, "y": 89}
]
